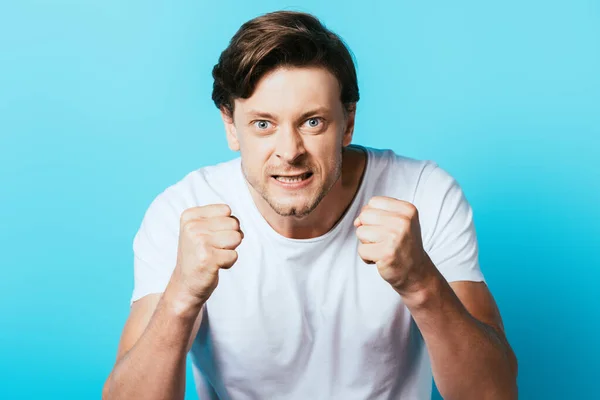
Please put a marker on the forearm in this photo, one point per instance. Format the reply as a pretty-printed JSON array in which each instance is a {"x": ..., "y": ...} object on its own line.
[
  {"x": 469, "y": 359},
  {"x": 154, "y": 368}
]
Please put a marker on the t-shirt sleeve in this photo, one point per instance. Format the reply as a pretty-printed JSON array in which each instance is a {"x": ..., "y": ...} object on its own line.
[
  {"x": 447, "y": 226},
  {"x": 155, "y": 247}
]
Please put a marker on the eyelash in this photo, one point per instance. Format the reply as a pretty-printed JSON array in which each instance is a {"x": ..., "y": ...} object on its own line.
[
  {"x": 321, "y": 120},
  {"x": 318, "y": 119},
  {"x": 260, "y": 120}
]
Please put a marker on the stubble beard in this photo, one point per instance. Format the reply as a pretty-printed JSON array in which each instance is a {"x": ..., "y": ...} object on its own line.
[{"x": 301, "y": 211}]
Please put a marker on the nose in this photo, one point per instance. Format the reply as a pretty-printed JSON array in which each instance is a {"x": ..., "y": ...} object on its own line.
[{"x": 289, "y": 145}]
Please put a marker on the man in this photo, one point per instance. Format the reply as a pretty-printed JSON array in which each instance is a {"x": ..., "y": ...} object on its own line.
[{"x": 308, "y": 268}]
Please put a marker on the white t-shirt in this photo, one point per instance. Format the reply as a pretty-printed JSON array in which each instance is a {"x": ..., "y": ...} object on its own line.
[{"x": 307, "y": 318}]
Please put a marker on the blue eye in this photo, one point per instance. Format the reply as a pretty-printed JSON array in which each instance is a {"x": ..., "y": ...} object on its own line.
[
  {"x": 261, "y": 124},
  {"x": 314, "y": 122}
]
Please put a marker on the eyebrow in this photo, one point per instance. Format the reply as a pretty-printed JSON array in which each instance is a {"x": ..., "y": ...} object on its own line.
[
  {"x": 260, "y": 114},
  {"x": 266, "y": 115}
]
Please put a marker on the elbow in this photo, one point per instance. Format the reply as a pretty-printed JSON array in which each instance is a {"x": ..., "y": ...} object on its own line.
[
  {"x": 511, "y": 392},
  {"x": 506, "y": 388},
  {"x": 105, "y": 389},
  {"x": 514, "y": 369},
  {"x": 514, "y": 365}
]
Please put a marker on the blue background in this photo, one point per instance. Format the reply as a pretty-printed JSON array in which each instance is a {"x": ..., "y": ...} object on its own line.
[{"x": 103, "y": 104}]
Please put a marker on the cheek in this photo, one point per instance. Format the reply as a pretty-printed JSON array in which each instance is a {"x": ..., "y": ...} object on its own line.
[
  {"x": 332, "y": 158},
  {"x": 326, "y": 150},
  {"x": 255, "y": 157}
]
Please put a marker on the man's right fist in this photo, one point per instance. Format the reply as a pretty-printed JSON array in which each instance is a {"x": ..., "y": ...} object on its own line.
[{"x": 208, "y": 237}]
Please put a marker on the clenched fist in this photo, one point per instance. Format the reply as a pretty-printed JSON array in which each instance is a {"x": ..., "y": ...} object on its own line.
[
  {"x": 208, "y": 237},
  {"x": 390, "y": 237}
]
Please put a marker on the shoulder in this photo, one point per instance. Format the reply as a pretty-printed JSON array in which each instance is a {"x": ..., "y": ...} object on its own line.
[
  {"x": 203, "y": 186},
  {"x": 422, "y": 182},
  {"x": 399, "y": 175}
]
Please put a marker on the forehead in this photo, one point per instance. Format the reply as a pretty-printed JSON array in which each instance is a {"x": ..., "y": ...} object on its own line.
[{"x": 288, "y": 90}]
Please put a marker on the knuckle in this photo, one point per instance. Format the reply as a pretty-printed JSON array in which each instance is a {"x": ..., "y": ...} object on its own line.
[
  {"x": 395, "y": 237},
  {"x": 190, "y": 227},
  {"x": 234, "y": 223},
  {"x": 361, "y": 248},
  {"x": 413, "y": 212},
  {"x": 223, "y": 209},
  {"x": 185, "y": 216},
  {"x": 203, "y": 254},
  {"x": 237, "y": 236},
  {"x": 186, "y": 226},
  {"x": 364, "y": 216},
  {"x": 403, "y": 224}
]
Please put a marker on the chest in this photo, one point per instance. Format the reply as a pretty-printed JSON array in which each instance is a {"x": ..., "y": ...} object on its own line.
[{"x": 286, "y": 310}]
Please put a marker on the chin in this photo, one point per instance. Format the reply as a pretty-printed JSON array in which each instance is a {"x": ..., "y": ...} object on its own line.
[
  {"x": 292, "y": 210},
  {"x": 295, "y": 205}
]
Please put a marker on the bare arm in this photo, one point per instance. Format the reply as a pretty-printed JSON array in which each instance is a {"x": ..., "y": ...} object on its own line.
[
  {"x": 151, "y": 359},
  {"x": 461, "y": 325},
  {"x": 161, "y": 329}
]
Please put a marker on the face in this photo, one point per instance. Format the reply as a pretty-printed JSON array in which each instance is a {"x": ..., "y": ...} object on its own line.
[{"x": 290, "y": 134}]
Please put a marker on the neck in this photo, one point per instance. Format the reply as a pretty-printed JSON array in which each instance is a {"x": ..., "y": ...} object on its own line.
[{"x": 329, "y": 211}]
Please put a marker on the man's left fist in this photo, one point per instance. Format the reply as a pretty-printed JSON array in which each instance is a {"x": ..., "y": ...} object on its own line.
[{"x": 390, "y": 237}]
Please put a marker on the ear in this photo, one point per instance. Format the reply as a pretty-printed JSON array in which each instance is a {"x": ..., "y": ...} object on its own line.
[
  {"x": 350, "y": 111},
  {"x": 230, "y": 131}
]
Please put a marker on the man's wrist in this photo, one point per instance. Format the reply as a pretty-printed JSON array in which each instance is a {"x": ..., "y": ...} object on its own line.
[
  {"x": 421, "y": 292},
  {"x": 181, "y": 304}
]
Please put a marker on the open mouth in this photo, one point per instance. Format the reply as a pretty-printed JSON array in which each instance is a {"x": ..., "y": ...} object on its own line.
[{"x": 292, "y": 178}]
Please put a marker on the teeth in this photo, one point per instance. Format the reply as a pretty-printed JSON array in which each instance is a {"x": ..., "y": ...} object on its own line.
[{"x": 291, "y": 179}]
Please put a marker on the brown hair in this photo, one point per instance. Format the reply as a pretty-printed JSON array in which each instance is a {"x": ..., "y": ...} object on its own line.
[{"x": 282, "y": 38}]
